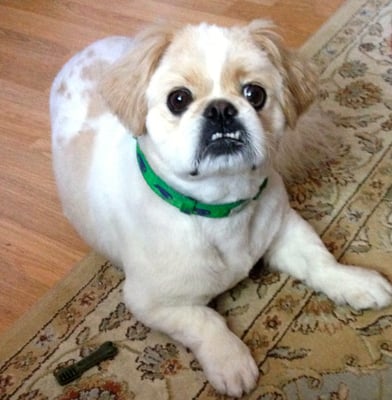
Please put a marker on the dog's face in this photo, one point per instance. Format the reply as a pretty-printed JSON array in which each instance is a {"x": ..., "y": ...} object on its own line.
[{"x": 210, "y": 100}]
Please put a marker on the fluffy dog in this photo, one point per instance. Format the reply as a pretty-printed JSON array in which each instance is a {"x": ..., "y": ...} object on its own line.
[{"x": 163, "y": 150}]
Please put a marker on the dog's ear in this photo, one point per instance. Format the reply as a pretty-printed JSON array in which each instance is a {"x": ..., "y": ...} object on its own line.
[
  {"x": 125, "y": 83},
  {"x": 299, "y": 77}
]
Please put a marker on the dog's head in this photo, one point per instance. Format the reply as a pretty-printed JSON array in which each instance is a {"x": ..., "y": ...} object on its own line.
[{"x": 209, "y": 100}]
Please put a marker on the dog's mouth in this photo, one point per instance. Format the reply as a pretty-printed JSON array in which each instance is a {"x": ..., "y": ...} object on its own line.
[
  {"x": 224, "y": 146},
  {"x": 224, "y": 143}
]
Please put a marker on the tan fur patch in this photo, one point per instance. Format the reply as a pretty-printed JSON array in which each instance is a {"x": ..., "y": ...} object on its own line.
[
  {"x": 197, "y": 79},
  {"x": 194, "y": 79},
  {"x": 299, "y": 79},
  {"x": 62, "y": 89},
  {"x": 96, "y": 105},
  {"x": 233, "y": 75},
  {"x": 125, "y": 85},
  {"x": 94, "y": 71},
  {"x": 79, "y": 153}
]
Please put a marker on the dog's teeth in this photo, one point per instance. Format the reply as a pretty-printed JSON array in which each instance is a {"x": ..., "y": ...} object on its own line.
[
  {"x": 216, "y": 136},
  {"x": 232, "y": 135}
]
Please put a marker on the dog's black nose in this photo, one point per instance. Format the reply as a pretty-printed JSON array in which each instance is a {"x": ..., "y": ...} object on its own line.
[{"x": 220, "y": 111}]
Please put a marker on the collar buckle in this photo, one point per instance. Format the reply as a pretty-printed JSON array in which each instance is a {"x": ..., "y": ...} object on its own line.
[{"x": 188, "y": 205}]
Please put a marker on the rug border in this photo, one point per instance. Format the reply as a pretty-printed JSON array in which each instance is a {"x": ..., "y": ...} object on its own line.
[
  {"x": 43, "y": 310},
  {"x": 333, "y": 24}
]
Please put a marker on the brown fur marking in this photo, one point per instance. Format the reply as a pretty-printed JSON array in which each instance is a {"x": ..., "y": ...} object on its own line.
[
  {"x": 125, "y": 85},
  {"x": 80, "y": 151},
  {"x": 299, "y": 78},
  {"x": 96, "y": 106},
  {"x": 94, "y": 71},
  {"x": 62, "y": 89}
]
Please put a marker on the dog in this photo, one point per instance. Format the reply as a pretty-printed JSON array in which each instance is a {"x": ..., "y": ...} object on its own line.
[{"x": 163, "y": 153}]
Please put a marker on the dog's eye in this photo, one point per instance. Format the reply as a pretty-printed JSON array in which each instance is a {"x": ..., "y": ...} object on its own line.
[
  {"x": 179, "y": 100},
  {"x": 255, "y": 95}
]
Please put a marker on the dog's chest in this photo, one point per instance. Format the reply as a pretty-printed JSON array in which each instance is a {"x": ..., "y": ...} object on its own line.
[{"x": 228, "y": 249}]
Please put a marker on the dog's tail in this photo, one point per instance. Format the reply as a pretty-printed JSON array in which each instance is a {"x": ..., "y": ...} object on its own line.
[{"x": 313, "y": 144}]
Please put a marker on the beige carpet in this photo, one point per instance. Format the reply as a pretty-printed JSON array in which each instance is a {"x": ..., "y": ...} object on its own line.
[{"x": 305, "y": 346}]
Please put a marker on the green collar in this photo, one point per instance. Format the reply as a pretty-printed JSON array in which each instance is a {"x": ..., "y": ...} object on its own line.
[{"x": 184, "y": 203}]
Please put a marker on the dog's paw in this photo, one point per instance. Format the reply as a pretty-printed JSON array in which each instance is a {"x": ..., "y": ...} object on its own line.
[
  {"x": 228, "y": 365},
  {"x": 360, "y": 288}
]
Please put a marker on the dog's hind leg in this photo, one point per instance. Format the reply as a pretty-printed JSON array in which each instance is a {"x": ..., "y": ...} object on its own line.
[{"x": 299, "y": 251}]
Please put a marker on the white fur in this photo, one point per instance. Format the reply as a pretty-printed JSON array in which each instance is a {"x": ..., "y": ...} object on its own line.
[{"x": 175, "y": 263}]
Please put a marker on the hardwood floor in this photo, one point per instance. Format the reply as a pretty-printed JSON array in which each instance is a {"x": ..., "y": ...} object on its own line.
[{"x": 37, "y": 245}]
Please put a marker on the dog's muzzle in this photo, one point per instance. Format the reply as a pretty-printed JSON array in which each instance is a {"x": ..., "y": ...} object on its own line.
[{"x": 222, "y": 132}]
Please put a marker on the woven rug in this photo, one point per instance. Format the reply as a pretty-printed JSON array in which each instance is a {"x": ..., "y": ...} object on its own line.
[{"x": 306, "y": 347}]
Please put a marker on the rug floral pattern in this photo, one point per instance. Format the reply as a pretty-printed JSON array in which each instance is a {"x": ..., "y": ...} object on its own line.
[{"x": 306, "y": 347}]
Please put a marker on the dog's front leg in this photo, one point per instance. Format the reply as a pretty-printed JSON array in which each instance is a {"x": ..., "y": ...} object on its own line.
[
  {"x": 299, "y": 252},
  {"x": 225, "y": 359}
]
